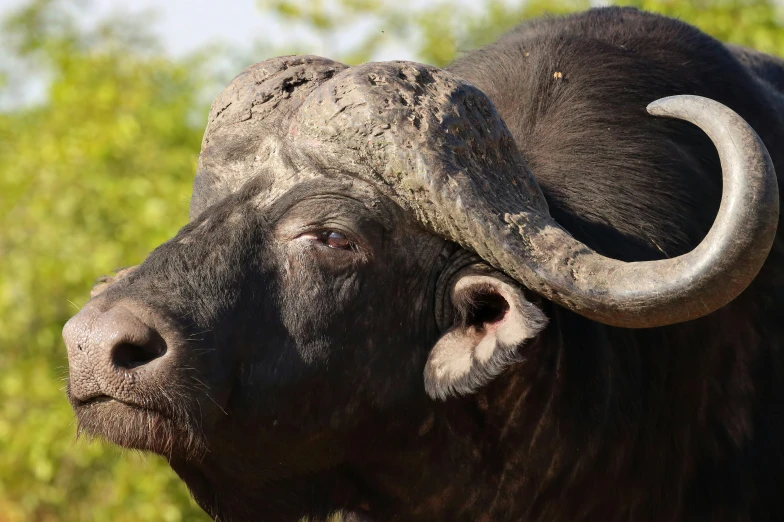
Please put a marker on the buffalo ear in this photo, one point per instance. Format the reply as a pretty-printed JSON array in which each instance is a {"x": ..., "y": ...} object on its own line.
[
  {"x": 103, "y": 283},
  {"x": 492, "y": 319}
]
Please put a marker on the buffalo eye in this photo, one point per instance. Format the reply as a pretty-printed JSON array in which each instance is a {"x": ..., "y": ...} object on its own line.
[
  {"x": 333, "y": 239},
  {"x": 336, "y": 240}
]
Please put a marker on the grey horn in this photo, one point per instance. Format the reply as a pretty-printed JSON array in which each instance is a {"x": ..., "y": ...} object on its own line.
[
  {"x": 436, "y": 145},
  {"x": 655, "y": 293}
]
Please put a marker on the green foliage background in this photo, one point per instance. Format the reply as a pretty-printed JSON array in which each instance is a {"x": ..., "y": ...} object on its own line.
[{"x": 99, "y": 173}]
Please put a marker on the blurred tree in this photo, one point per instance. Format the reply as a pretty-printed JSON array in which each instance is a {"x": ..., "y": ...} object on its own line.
[
  {"x": 92, "y": 179},
  {"x": 437, "y": 31},
  {"x": 99, "y": 173}
]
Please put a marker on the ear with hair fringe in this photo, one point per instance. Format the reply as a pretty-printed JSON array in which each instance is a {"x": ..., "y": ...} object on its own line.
[
  {"x": 492, "y": 320},
  {"x": 103, "y": 283}
]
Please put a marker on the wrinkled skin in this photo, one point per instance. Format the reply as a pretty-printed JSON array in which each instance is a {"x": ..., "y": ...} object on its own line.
[{"x": 291, "y": 382}]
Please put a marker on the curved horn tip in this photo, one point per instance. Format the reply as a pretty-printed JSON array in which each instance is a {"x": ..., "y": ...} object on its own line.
[
  {"x": 670, "y": 105},
  {"x": 661, "y": 292}
]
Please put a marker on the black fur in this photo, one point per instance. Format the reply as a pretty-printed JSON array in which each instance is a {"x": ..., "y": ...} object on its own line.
[
  {"x": 696, "y": 408},
  {"x": 630, "y": 185}
]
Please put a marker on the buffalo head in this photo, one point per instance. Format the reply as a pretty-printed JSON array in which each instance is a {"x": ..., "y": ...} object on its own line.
[{"x": 364, "y": 240}]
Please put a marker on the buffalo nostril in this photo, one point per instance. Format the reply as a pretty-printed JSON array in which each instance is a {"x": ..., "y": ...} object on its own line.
[{"x": 129, "y": 355}]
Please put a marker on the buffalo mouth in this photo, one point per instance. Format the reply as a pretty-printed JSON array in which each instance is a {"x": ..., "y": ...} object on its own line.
[{"x": 147, "y": 427}]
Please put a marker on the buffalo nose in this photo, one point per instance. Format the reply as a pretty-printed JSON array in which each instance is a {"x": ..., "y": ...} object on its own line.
[{"x": 108, "y": 351}]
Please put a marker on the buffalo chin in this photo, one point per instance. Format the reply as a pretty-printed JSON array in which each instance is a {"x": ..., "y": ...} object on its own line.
[
  {"x": 228, "y": 493},
  {"x": 135, "y": 427}
]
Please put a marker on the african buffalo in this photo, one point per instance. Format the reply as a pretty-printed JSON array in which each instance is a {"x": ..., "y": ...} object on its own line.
[{"x": 497, "y": 292}]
